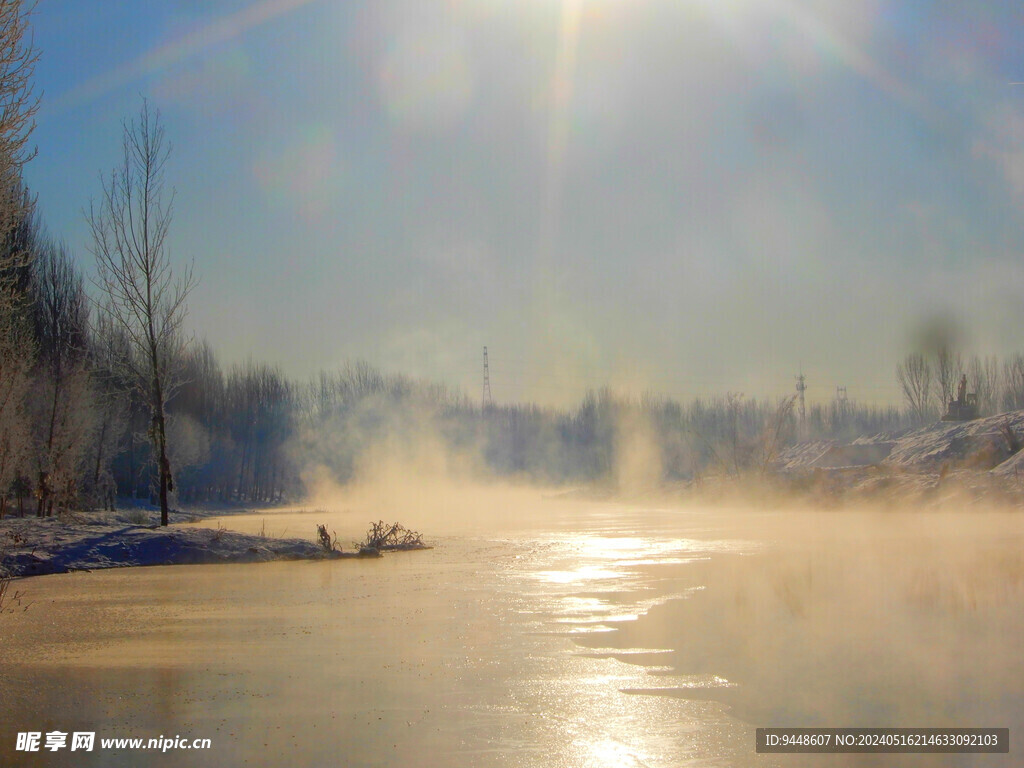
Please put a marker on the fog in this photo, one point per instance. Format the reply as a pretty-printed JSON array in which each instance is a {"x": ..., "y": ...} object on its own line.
[
  {"x": 542, "y": 629},
  {"x": 860, "y": 617},
  {"x": 654, "y": 215},
  {"x": 627, "y": 581},
  {"x": 893, "y": 608}
]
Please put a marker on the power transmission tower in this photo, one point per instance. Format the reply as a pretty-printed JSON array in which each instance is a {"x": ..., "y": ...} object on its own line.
[
  {"x": 801, "y": 386},
  {"x": 485, "y": 400},
  {"x": 841, "y": 404}
]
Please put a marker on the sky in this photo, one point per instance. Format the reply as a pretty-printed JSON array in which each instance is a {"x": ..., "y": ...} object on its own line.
[{"x": 685, "y": 197}]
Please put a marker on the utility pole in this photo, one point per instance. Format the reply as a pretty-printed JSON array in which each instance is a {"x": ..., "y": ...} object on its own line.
[{"x": 485, "y": 399}]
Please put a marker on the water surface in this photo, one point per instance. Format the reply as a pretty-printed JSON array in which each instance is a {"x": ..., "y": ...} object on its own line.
[{"x": 567, "y": 634}]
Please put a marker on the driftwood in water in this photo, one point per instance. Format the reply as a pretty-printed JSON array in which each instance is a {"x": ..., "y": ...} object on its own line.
[
  {"x": 391, "y": 536},
  {"x": 329, "y": 544}
]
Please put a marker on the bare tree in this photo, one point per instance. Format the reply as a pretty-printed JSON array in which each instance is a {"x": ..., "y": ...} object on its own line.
[
  {"x": 108, "y": 347},
  {"x": 774, "y": 434},
  {"x": 18, "y": 106},
  {"x": 1013, "y": 383},
  {"x": 949, "y": 367},
  {"x": 259, "y": 402},
  {"x": 983, "y": 374},
  {"x": 914, "y": 375},
  {"x": 144, "y": 295},
  {"x": 734, "y": 399},
  {"x": 15, "y": 342},
  {"x": 61, "y": 401},
  {"x": 17, "y": 346}
]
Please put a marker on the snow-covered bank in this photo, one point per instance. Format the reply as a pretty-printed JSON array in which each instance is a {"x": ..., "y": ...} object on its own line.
[
  {"x": 971, "y": 461},
  {"x": 88, "y": 541},
  {"x": 980, "y": 444}
]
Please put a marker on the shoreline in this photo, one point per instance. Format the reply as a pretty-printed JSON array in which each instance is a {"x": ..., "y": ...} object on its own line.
[
  {"x": 132, "y": 537},
  {"x": 87, "y": 541}
]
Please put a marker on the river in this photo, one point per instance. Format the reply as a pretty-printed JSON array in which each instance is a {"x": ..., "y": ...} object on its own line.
[{"x": 554, "y": 633}]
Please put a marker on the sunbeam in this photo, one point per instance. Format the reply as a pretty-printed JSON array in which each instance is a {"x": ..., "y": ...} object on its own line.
[{"x": 189, "y": 44}]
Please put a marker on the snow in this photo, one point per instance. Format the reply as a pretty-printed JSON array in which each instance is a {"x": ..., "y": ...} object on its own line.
[
  {"x": 976, "y": 443},
  {"x": 87, "y": 541},
  {"x": 979, "y": 445},
  {"x": 803, "y": 455}
]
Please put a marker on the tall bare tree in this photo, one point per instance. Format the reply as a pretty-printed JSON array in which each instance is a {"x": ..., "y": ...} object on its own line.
[
  {"x": 17, "y": 107},
  {"x": 914, "y": 375},
  {"x": 1013, "y": 383},
  {"x": 983, "y": 375},
  {"x": 108, "y": 347},
  {"x": 145, "y": 296},
  {"x": 62, "y": 400}
]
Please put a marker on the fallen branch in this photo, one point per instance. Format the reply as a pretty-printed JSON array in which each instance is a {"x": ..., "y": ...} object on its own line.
[
  {"x": 328, "y": 543},
  {"x": 14, "y": 598},
  {"x": 391, "y": 536}
]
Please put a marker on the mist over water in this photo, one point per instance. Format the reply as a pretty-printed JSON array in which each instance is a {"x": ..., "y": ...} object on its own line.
[
  {"x": 646, "y": 543},
  {"x": 541, "y": 630}
]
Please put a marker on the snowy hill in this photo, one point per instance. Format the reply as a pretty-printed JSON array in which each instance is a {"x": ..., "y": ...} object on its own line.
[{"x": 980, "y": 444}]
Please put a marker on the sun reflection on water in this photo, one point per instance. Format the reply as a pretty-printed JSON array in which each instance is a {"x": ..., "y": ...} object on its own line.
[
  {"x": 579, "y": 585},
  {"x": 608, "y": 752},
  {"x": 589, "y": 579}
]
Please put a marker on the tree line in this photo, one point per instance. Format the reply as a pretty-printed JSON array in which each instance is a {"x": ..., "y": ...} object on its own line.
[
  {"x": 103, "y": 394},
  {"x": 247, "y": 433},
  {"x": 928, "y": 382}
]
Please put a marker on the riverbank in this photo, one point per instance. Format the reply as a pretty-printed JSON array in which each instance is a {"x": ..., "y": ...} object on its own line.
[
  {"x": 604, "y": 634},
  {"x": 456, "y": 659},
  {"x": 89, "y": 541}
]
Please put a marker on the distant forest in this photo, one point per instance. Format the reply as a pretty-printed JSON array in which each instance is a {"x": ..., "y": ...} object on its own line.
[
  {"x": 103, "y": 395},
  {"x": 78, "y": 425},
  {"x": 75, "y": 432}
]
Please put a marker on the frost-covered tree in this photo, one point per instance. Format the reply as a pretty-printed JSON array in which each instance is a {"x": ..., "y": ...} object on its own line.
[
  {"x": 144, "y": 294},
  {"x": 983, "y": 374},
  {"x": 1013, "y": 383},
  {"x": 108, "y": 347},
  {"x": 914, "y": 376},
  {"x": 61, "y": 401},
  {"x": 259, "y": 403},
  {"x": 17, "y": 107}
]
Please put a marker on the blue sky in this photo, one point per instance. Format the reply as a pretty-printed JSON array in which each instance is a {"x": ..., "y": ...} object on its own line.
[{"x": 685, "y": 196}]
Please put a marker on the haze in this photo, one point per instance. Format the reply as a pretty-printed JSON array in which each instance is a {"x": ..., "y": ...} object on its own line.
[{"x": 684, "y": 197}]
